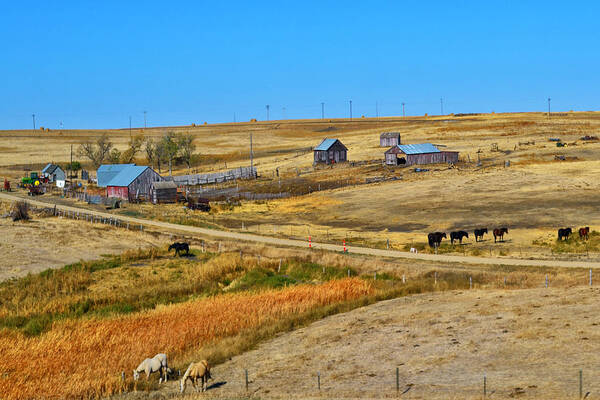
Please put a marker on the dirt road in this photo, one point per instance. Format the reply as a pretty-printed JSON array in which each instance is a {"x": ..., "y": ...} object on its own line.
[{"x": 317, "y": 246}]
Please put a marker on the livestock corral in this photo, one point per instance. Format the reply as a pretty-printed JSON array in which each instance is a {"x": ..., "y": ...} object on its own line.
[{"x": 270, "y": 321}]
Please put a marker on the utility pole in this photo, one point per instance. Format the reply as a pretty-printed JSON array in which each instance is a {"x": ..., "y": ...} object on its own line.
[
  {"x": 377, "y": 109},
  {"x": 71, "y": 165},
  {"x": 234, "y": 117},
  {"x": 130, "y": 127},
  {"x": 144, "y": 119},
  {"x": 548, "y": 107},
  {"x": 322, "y": 110},
  {"x": 251, "y": 157},
  {"x": 283, "y": 113},
  {"x": 267, "y": 112},
  {"x": 441, "y": 106},
  {"x": 33, "y": 116},
  {"x": 351, "y": 110},
  {"x": 403, "y": 116}
]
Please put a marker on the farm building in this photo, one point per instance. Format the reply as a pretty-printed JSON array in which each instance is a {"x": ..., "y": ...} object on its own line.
[
  {"x": 389, "y": 139},
  {"x": 108, "y": 171},
  {"x": 423, "y": 153},
  {"x": 163, "y": 192},
  {"x": 330, "y": 151},
  {"x": 132, "y": 183},
  {"x": 54, "y": 173}
]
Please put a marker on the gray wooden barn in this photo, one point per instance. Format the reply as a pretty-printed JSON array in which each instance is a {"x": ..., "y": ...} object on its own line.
[
  {"x": 54, "y": 173},
  {"x": 330, "y": 151},
  {"x": 132, "y": 183},
  {"x": 163, "y": 192},
  {"x": 388, "y": 139},
  {"x": 423, "y": 153}
]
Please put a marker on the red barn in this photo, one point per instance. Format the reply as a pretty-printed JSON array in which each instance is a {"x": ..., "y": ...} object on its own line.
[{"x": 132, "y": 183}]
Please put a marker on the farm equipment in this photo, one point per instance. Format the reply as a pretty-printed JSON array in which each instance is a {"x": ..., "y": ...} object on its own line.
[
  {"x": 36, "y": 190},
  {"x": 198, "y": 203},
  {"x": 6, "y": 185},
  {"x": 32, "y": 179}
]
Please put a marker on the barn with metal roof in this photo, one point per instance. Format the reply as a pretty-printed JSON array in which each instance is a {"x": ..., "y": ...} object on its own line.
[
  {"x": 132, "y": 182},
  {"x": 330, "y": 151},
  {"x": 422, "y": 153},
  {"x": 108, "y": 171}
]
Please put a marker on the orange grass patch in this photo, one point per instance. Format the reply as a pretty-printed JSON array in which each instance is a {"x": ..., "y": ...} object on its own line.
[{"x": 83, "y": 359}]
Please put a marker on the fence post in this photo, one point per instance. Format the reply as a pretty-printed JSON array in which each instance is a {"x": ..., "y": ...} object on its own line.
[
  {"x": 580, "y": 383},
  {"x": 388, "y": 244},
  {"x": 279, "y": 268},
  {"x": 546, "y": 281},
  {"x": 435, "y": 277},
  {"x": 484, "y": 386},
  {"x": 470, "y": 283},
  {"x": 375, "y": 276},
  {"x": 319, "y": 380},
  {"x": 397, "y": 379},
  {"x": 590, "y": 277},
  {"x": 348, "y": 273},
  {"x": 403, "y": 278},
  {"x": 246, "y": 373}
]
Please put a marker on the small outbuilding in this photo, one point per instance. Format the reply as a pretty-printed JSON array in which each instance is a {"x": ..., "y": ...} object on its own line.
[
  {"x": 423, "y": 153},
  {"x": 163, "y": 192},
  {"x": 54, "y": 173},
  {"x": 133, "y": 183},
  {"x": 388, "y": 139},
  {"x": 330, "y": 151}
]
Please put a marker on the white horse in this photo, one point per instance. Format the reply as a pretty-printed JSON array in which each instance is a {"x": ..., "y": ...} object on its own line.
[
  {"x": 199, "y": 370},
  {"x": 150, "y": 365}
]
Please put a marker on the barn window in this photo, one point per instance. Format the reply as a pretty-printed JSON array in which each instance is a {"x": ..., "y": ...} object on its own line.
[{"x": 401, "y": 161}]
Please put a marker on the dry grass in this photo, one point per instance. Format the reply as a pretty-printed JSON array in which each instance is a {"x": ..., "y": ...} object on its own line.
[{"x": 83, "y": 358}]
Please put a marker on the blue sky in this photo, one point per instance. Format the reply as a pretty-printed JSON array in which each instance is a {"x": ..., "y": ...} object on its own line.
[{"x": 93, "y": 64}]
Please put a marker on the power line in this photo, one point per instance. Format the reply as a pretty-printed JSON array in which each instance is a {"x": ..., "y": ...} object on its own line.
[{"x": 350, "y": 109}]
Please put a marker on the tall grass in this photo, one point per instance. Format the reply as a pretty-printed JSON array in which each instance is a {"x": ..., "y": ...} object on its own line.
[{"x": 83, "y": 358}]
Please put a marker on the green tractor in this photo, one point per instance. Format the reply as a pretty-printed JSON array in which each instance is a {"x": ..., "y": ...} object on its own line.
[{"x": 32, "y": 179}]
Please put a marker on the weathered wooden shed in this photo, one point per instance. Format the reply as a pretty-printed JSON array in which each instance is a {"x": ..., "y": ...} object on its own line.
[
  {"x": 330, "y": 151},
  {"x": 133, "y": 183},
  {"x": 388, "y": 139},
  {"x": 163, "y": 192},
  {"x": 54, "y": 173},
  {"x": 423, "y": 153}
]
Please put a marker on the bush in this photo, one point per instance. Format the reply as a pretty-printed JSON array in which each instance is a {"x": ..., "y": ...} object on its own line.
[{"x": 20, "y": 211}]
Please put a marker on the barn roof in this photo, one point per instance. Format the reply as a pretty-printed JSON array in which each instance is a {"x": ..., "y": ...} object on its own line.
[
  {"x": 127, "y": 175},
  {"x": 420, "y": 148},
  {"x": 326, "y": 144},
  {"x": 390, "y": 135},
  {"x": 50, "y": 168},
  {"x": 107, "y": 172}
]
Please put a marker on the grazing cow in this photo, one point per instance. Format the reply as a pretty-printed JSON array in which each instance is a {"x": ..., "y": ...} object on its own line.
[
  {"x": 564, "y": 233},
  {"x": 458, "y": 236},
  {"x": 499, "y": 233},
  {"x": 435, "y": 238},
  {"x": 479, "y": 233},
  {"x": 584, "y": 233},
  {"x": 180, "y": 247},
  {"x": 199, "y": 370}
]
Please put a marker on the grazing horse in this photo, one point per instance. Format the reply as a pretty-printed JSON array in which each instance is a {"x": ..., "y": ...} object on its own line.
[
  {"x": 179, "y": 247},
  {"x": 499, "y": 233},
  {"x": 458, "y": 236},
  {"x": 479, "y": 233},
  {"x": 435, "y": 238},
  {"x": 199, "y": 370},
  {"x": 150, "y": 365},
  {"x": 564, "y": 233},
  {"x": 584, "y": 233}
]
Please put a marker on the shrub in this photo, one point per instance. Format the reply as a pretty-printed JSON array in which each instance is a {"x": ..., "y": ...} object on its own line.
[{"x": 20, "y": 211}]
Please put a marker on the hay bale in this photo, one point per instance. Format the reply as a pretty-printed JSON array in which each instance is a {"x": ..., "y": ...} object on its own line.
[{"x": 20, "y": 211}]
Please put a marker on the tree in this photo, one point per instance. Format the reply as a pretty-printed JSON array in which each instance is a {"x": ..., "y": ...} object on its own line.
[
  {"x": 96, "y": 152},
  {"x": 114, "y": 156},
  {"x": 169, "y": 149},
  {"x": 150, "y": 149},
  {"x": 186, "y": 146},
  {"x": 134, "y": 146}
]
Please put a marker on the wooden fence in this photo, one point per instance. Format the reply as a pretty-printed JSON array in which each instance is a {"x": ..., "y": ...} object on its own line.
[{"x": 216, "y": 177}]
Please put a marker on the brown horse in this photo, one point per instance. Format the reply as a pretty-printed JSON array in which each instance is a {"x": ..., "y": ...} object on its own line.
[
  {"x": 564, "y": 233},
  {"x": 584, "y": 233},
  {"x": 499, "y": 233},
  {"x": 435, "y": 239},
  {"x": 196, "y": 371}
]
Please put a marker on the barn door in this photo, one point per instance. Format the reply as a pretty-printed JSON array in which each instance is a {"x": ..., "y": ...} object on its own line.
[{"x": 337, "y": 156}]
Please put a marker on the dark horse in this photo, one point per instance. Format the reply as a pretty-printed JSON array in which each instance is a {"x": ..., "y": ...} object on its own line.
[
  {"x": 435, "y": 238},
  {"x": 499, "y": 233},
  {"x": 564, "y": 233},
  {"x": 180, "y": 247},
  {"x": 458, "y": 236},
  {"x": 584, "y": 233},
  {"x": 479, "y": 233}
]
